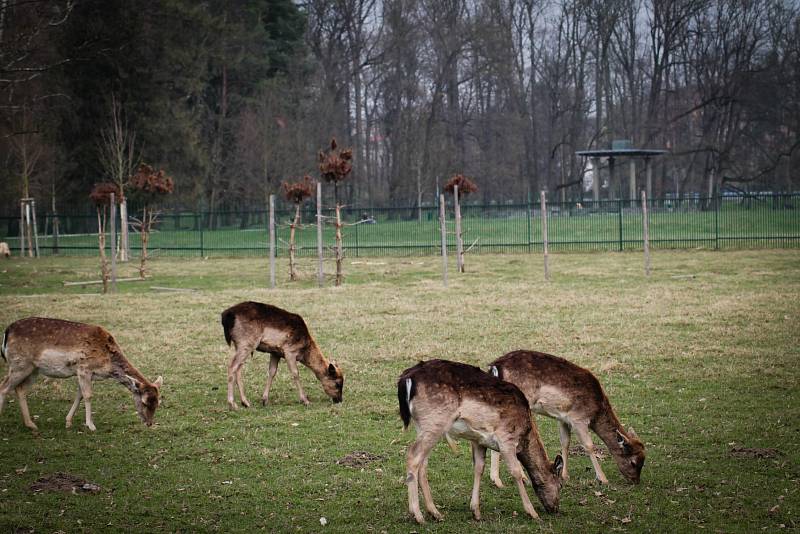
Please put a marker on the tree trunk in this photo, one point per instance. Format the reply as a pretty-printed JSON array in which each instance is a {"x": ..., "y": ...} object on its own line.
[
  {"x": 295, "y": 222},
  {"x": 339, "y": 254},
  {"x": 124, "y": 251},
  {"x": 145, "y": 235},
  {"x": 101, "y": 241}
]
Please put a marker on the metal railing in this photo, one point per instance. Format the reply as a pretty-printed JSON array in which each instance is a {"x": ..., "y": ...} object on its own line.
[{"x": 722, "y": 222}]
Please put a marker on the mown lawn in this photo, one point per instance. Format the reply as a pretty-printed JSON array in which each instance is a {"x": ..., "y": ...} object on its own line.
[{"x": 701, "y": 359}]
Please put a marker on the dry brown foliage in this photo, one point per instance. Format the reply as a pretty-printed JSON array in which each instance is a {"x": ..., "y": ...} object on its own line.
[
  {"x": 101, "y": 193},
  {"x": 147, "y": 180},
  {"x": 297, "y": 192},
  {"x": 465, "y": 185},
  {"x": 335, "y": 166}
]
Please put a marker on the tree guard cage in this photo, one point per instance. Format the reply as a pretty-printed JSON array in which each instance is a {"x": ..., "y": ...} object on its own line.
[{"x": 622, "y": 148}]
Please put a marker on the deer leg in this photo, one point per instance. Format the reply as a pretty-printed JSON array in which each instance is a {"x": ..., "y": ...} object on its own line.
[
  {"x": 582, "y": 430},
  {"x": 478, "y": 462},
  {"x": 74, "y": 408},
  {"x": 243, "y": 350},
  {"x": 273, "y": 369},
  {"x": 240, "y": 383},
  {"x": 85, "y": 384},
  {"x": 515, "y": 468},
  {"x": 494, "y": 469},
  {"x": 22, "y": 395},
  {"x": 14, "y": 378},
  {"x": 292, "y": 363},
  {"x": 415, "y": 457},
  {"x": 426, "y": 491},
  {"x": 563, "y": 434}
]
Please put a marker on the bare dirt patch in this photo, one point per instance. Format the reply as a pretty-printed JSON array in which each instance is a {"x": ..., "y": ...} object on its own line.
[
  {"x": 359, "y": 459},
  {"x": 577, "y": 450},
  {"x": 755, "y": 452},
  {"x": 64, "y": 482}
]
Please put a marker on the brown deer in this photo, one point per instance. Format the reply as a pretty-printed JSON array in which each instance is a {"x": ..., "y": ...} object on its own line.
[
  {"x": 455, "y": 400},
  {"x": 265, "y": 328},
  {"x": 60, "y": 349},
  {"x": 560, "y": 389}
]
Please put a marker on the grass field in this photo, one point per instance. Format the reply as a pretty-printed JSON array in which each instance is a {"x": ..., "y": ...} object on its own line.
[{"x": 701, "y": 359}]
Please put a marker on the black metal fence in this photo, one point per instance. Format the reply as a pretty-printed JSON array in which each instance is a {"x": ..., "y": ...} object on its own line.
[{"x": 742, "y": 221}]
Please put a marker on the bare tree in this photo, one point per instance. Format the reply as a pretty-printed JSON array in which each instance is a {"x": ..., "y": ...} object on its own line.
[
  {"x": 117, "y": 156},
  {"x": 296, "y": 193}
]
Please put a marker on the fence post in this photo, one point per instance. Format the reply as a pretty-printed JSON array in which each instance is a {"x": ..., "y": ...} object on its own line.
[
  {"x": 113, "y": 217},
  {"x": 716, "y": 221},
  {"x": 619, "y": 204},
  {"x": 202, "y": 251},
  {"x": 543, "y": 203},
  {"x": 529, "y": 221},
  {"x": 646, "y": 234},
  {"x": 320, "y": 274},
  {"x": 443, "y": 227}
]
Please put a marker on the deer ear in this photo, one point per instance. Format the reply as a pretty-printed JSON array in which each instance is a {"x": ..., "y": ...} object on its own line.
[
  {"x": 159, "y": 382},
  {"x": 622, "y": 440},
  {"x": 632, "y": 433},
  {"x": 332, "y": 369},
  {"x": 558, "y": 465}
]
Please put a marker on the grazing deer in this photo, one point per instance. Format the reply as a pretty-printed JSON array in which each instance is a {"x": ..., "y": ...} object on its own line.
[
  {"x": 60, "y": 349},
  {"x": 256, "y": 326},
  {"x": 455, "y": 400},
  {"x": 4, "y": 250},
  {"x": 560, "y": 389}
]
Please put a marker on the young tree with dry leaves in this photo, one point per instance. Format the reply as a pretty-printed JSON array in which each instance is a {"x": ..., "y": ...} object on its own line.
[
  {"x": 296, "y": 193},
  {"x": 334, "y": 166},
  {"x": 459, "y": 185},
  {"x": 101, "y": 197},
  {"x": 149, "y": 186}
]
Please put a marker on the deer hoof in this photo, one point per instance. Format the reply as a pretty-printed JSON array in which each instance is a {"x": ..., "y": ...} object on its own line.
[
  {"x": 264, "y": 402},
  {"x": 245, "y": 403},
  {"x": 306, "y": 402},
  {"x": 498, "y": 483},
  {"x": 91, "y": 427}
]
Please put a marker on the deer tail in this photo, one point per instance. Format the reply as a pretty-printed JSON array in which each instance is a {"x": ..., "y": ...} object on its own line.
[
  {"x": 4, "y": 346},
  {"x": 228, "y": 320},
  {"x": 406, "y": 388}
]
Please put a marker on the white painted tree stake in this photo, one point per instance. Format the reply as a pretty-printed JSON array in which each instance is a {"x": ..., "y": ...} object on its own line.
[
  {"x": 543, "y": 203},
  {"x": 320, "y": 274},
  {"x": 646, "y": 232},
  {"x": 443, "y": 226},
  {"x": 272, "y": 241},
  {"x": 459, "y": 242},
  {"x": 113, "y": 218}
]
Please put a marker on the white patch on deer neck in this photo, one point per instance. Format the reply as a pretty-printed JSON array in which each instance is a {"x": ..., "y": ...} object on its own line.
[
  {"x": 57, "y": 363},
  {"x": 462, "y": 429}
]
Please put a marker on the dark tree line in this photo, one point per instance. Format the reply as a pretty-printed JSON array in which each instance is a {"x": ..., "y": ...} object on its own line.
[{"x": 234, "y": 98}]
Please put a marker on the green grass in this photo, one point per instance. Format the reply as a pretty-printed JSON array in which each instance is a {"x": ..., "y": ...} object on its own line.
[
  {"x": 491, "y": 230},
  {"x": 699, "y": 358}
]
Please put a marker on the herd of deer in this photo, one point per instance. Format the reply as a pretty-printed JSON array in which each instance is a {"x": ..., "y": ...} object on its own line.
[{"x": 493, "y": 410}]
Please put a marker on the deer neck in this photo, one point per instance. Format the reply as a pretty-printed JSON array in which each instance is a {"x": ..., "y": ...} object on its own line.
[
  {"x": 122, "y": 371},
  {"x": 606, "y": 425},
  {"x": 316, "y": 361},
  {"x": 533, "y": 457}
]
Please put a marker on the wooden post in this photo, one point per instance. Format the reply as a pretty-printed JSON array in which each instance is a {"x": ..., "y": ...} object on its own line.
[
  {"x": 338, "y": 245},
  {"x": 443, "y": 226},
  {"x": 22, "y": 229},
  {"x": 320, "y": 274},
  {"x": 272, "y": 241},
  {"x": 125, "y": 246},
  {"x": 35, "y": 231},
  {"x": 113, "y": 218},
  {"x": 292, "y": 246},
  {"x": 646, "y": 234},
  {"x": 648, "y": 166},
  {"x": 543, "y": 203},
  {"x": 459, "y": 242}
]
